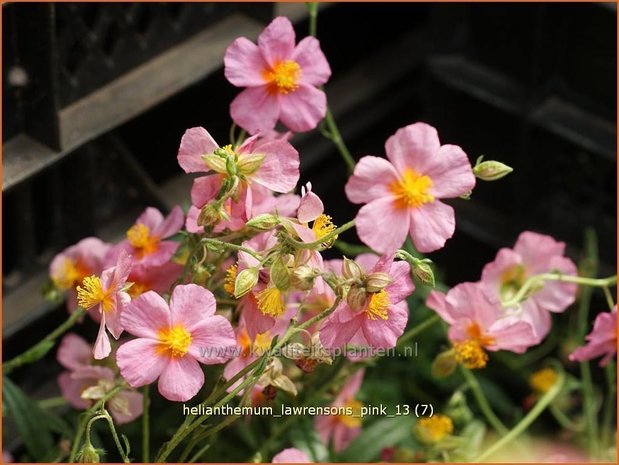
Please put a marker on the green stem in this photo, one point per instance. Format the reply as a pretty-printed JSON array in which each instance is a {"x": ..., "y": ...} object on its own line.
[
  {"x": 609, "y": 298},
  {"x": 607, "y": 421},
  {"x": 198, "y": 454},
  {"x": 564, "y": 420},
  {"x": 146, "y": 424},
  {"x": 52, "y": 402},
  {"x": 336, "y": 138},
  {"x": 39, "y": 350},
  {"x": 522, "y": 426},
  {"x": 415, "y": 330},
  {"x": 119, "y": 446},
  {"x": 312, "y": 9},
  {"x": 325, "y": 238},
  {"x": 240, "y": 138},
  {"x": 482, "y": 402},
  {"x": 238, "y": 248},
  {"x": 352, "y": 250}
]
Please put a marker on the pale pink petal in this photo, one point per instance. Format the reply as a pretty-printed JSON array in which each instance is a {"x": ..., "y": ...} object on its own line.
[
  {"x": 513, "y": 336},
  {"x": 437, "y": 301},
  {"x": 343, "y": 436},
  {"x": 195, "y": 143},
  {"x": 113, "y": 323},
  {"x": 601, "y": 341},
  {"x": 335, "y": 334},
  {"x": 382, "y": 226},
  {"x": 413, "y": 147},
  {"x": 102, "y": 347},
  {"x": 74, "y": 352},
  {"x": 352, "y": 386},
  {"x": 451, "y": 173},
  {"x": 181, "y": 379},
  {"x": 276, "y": 41},
  {"x": 310, "y": 207},
  {"x": 557, "y": 296},
  {"x": 135, "y": 401},
  {"x": 431, "y": 225},
  {"x": 151, "y": 217},
  {"x": 280, "y": 168},
  {"x": 291, "y": 455},
  {"x": 255, "y": 321},
  {"x": 385, "y": 333},
  {"x": 402, "y": 285},
  {"x": 469, "y": 301},
  {"x": 121, "y": 271},
  {"x": 244, "y": 64},
  {"x": 370, "y": 261},
  {"x": 370, "y": 180},
  {"x": 146, "y": 315},
  {"x": 140, "y": 362},
  {"x": 303, "y": 109},
  {"x": 492, "y": 274},
  {"x": 190, "y": 304},
  {"x": 324, "y": 425},
  {"x": 164, "y": 252},
  {"x": 191, "y": 222},
  {"x": 537, "y": 250},
  {"x": 255, "y": 110},
  {"x": 213, "y": 341},
  {"x": 315, "y": 69},
  {"x": 71, "y": 389},
  {"x": 204, "y": 189},
  {"x": 171, "y": 225},
  {"x": 538, "y": 318}
]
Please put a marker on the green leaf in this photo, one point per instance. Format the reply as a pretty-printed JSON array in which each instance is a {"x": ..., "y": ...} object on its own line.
[
  {"x": 385, "y": 432},
  {"x": 27, "y": 416}
]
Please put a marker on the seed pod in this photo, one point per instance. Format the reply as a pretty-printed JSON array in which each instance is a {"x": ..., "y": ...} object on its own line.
[
  {"x": 351, "y": 269},
  {"x": 376, "y": 282},
  {"x": 356, "y": 298},
  {"x": 245, "y": 281}
]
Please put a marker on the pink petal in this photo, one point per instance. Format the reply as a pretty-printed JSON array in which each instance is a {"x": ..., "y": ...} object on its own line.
[
  {"x": 162, "y": 255},
  {"x": 352, "y": 386},
  {"x": 146, "y": 315},
  {"x": 255, "y": 110},
  {"x": 113, "y": 323},
  {"x": 402, "y": 285},
  {"x": 315, "y": 68},
  {"x": 195, "y": 143},
  {"x": 74, "y": 352},
  {"x": 135, "y": 401},
  {"x": 557, "y": 296},
  {"x": 343, "y": 436},
  {"x": 431, "y": 225},
  {"x": 213, "y": 341},
  {"x": 370, "y": 180},
  {"x": 437, "y": 301},
  {"x": 303, "y": 109},
  {"x": 291, "y": 455},
  {"x": 492, "y": 274},
  {"x": 190, "y": 304},
  {"x": 334, "y": 334},
  {"x": 171, "y": 225},
  {"x": 181, "y": 379},
  {"x": 413, "y": 146},
  {"x": 280, "y": 168},
  {"x": 513, "y": 336},
  {"x": 276, "y": 42},
  {"x": 538, "y": 318},
  {"x": 102, "y": 347},
  {"x": 140, "y": 362},
  {"x": 382, "y": 226},
  {"x": 191, "y": 222},
  {"x": 244, "y": 64},
  {"x": 469, "y": 301},
  {"x": 151, "y": 217},
  {"x": 537, "y": 250},
  {"x": 204, "y": 189},
  {"x": 71, "y": 389},
  {"x": 451, "y": 173},
  {"x": 385, "y": 333},
  {"x": 255, "y": 321}
]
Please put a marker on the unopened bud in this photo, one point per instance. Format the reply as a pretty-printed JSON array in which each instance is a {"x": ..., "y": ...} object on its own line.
[
  {"x": 264, "y": 222},
  {"x": 280, "y": 274},
  {"x": 201, "y": 274},
  {"x": 294, "y": 351},
  {"x": 351, "y": 269},
  {"x": 444, "y": 364},
  {"x": 245, "y": 281},
  {"x": 376, "y": 282},
  {"x": 211, "y": 214},
  {"x": 303, "y": 278},
  {"x": 88, "y": 454},
  {"x": 356, "y": 298},
  {"x": 249, "y": 164},
  {"x": 423, "y": 272},
  {"x": 491, "y": 170},
  {"x": 215, "y": 162}
]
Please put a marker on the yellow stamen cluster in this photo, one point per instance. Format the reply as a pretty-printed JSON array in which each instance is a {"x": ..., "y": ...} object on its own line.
[
  {"x": 323, "y": 226},
  {"x": 354, "y": 420},
  {"x": 434, "y": 429},
  {"x": 542, "y": 380},
  {"x": 283, "y": 77},
  {"x": 70, "y": 274},
  {"x": 271, "y": 301},
  {"x": 230, "y": 279},
  {"x": 378, "y": 306},
  {"x": 174, "y": 341},
  {"x": 411, "y": 190},
  {"x": 92, "y": 293},
  {"x": 140, "y": 239},
  {"x": 262, "y": 342},
  {"x": 471, "y": 354},
  {"x": 137, "y": 289}
]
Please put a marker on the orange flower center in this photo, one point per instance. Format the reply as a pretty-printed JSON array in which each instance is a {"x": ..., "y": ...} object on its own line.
[
  {"x": 354, "y": 420},
  {"x": 141, "y": 240},
  {"x": 174, "y": 341},
  {"x": 283, "y": 77},
  {"x": 471, "y": 351},
  {"x": 411, "y": 190},
  {"x": 71, "y": 273}
]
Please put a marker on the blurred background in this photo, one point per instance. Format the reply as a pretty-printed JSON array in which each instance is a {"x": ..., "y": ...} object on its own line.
[{"x": 97, "y": 96}]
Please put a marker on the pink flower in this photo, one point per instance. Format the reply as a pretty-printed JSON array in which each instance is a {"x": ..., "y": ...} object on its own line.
[
  {"x": 476, "y": 324},
  {"x": 402, "y": 194},
  {"x": 108, "y": 297},
  {"x": 74, "y": 354},
  {"x": 381, "y": 319},
  {"x": 145, "y": 239},
  {"x": 172, "y": 339},
  {"x": 532, "y": 254},
  {"x": 281, "y": 80},
  {"x": 153, "y": 278},
  {"x": 601, "y": 341},
  {"x": 343, "y": 429},
  {"x": 291, "y": 455},
  {"x": 73, "y": 264}
]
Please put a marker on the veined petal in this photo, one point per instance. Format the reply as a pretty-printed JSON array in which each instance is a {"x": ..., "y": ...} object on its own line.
[
  {"x": 276, "y": 41},
  {"x": 303, "y": 109},
  {"x": 195, "y": 143},
  {"x": 146, "y": 315},
  {"x": 280, "y": 168},
  {"x": 413, "y": 146},
  {"x": 451, "y": 173},
  {"x": 431, "y": 225},
  {"x": 139, "y": 361},
  {"x": 213, "y": 341},
  {"x": 255, "y": 110},
  {"x": 181, "y": 379},
  {"x": 370, "y": 180},
  {"x": 244, "y": 63},
  {"x": 190, "y": 304},
  {"x": 381, "y": 226},
  {"x": 315, "y": 68}
]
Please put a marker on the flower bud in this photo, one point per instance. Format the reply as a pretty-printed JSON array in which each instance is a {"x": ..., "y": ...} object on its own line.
[
  {"x": 245, "y": 281},
  {"x": 303, "y": 278},
  {"x": 264, "y": 222},
  {"x": 280, "y": 274},
  {"x": 376, "y": 282},
  {"x": 249, "y": 164},
  {"x": 88, "y": 454},
  {"x": 423, "y": 272},
  {"x": 211, "y": 214},
  {"x": 491, "y": 170},
  {"x": 356, "y": 298},
  {"x": 444, "y": 364},
  {"x": 351, "y": 269},
  {"x": 215, "y": 162}
]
